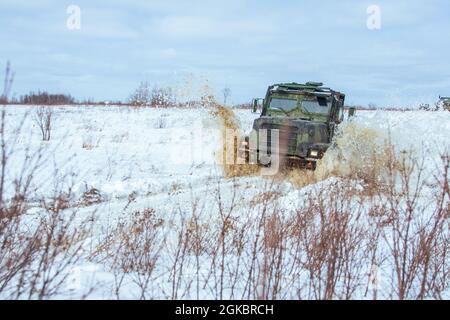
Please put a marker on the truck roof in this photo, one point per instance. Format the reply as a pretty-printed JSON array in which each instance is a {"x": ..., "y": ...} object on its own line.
[{"x": 315, "y": 88}]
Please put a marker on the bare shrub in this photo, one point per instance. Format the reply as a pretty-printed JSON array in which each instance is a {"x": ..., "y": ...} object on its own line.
[
  {"x": 60, "y": 237},
  {"x": 162, "y": 97},
  {"x": 179, "y": 282},
  {"x": 331, "y": 236},
  {"x": 91, "y": 196},
  {"x": 43, "y": 118},
  {"x": 38, "y": 246},
  {"x": 161, "y": 123},
  {"x": 226, "y": 93},
  {"x": 141, "y": 96},
  {"x": 132, "y": 249},
  {"x": 255, "y": 277},
  {"x": 416, "y": 230},
  {"x": 7, "y": 84},
  {"x": 36, "y": 256},
  {"x": 198, "y": 232},
  {"x": 273, "y": 266},
  {"x": 226, "y": 225},
  {"x": 155, "y": 97},
  {"x": 338, "y": 242}
]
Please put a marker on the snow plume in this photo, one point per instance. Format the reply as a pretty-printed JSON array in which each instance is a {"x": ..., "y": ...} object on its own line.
[
  {"x": 228, "y": 157},
  {"x": 357, "y": 152}
]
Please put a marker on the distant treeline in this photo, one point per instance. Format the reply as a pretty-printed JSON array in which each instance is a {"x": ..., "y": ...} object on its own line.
[
  {"x": 40, "y": 98},
  {"x": 44, "y": 98},
  {"x": 155, "y": 97}
]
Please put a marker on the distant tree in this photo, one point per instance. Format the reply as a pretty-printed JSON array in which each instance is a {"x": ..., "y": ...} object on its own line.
[
  {"x": 43, "y": 117},
  {"x": 155, "y": 97},
  {"x": 142, "y": 96},
  {"x": 9, "y": 77},
  {"x": 372, "y": 106},
  {"x": 424, "y": 106},
  {"x": 226, "y": 93},
  {"x": 162, "y": 97}
]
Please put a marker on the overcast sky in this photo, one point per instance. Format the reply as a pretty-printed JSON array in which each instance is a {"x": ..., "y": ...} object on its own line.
[{"x": 244, "y": 45}]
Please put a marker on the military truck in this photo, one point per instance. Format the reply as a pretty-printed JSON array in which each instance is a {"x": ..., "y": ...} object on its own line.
[
  {"x": 305, "y": 115},
  {"x": 445, "y": 102}
]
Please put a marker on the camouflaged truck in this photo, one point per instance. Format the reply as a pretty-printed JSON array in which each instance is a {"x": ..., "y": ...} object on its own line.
[
  {"x": 305, "y": 116},
  {"x": 445, "y": 102}
]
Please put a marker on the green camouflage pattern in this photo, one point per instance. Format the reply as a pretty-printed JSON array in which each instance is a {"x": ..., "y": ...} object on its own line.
[{"x": 304, "y": 134}]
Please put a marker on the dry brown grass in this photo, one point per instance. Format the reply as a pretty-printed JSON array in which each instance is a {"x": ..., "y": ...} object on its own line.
[
  {"x": 37, "y": 249},
  {"x": 229, "y": 148},
  {"x": 337, "y": 242},
  {"x": 300, "y": 177},
  {"x": 133, "y": 248}
]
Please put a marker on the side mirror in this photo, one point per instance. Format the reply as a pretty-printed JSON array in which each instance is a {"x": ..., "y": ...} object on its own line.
[
  {"x": 254, "y": 105},
  {"x": 351, "y": 111},
  {"x": 257, "y": 103}
]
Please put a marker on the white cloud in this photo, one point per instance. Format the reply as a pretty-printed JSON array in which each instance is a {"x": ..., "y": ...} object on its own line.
[
  {"x": 169, "y": 53},
  {"x": 185, "y": 27},
  {"x": 252, "y": 42}
]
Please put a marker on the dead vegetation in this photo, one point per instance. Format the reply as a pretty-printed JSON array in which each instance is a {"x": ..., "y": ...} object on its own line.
[
  {"x": 132, "y": 249},
  {"x": 43, "y": 118},
  {"x": 40, "y": 238},
  {"x": 339, "y": 242}
]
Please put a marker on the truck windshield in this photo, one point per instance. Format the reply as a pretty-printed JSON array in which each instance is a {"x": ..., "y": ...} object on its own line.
[
  {"x": 283, "y": 104},
  {"x": 317, "y": 105}
]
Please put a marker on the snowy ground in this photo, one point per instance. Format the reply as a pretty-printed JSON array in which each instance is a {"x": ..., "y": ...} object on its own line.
[
  {"x": 165, "y": 159},
  {"x": 121, "y": 150}
]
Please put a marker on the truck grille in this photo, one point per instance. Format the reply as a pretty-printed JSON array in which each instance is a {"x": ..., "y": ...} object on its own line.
[{"x": 287, "y": 138}]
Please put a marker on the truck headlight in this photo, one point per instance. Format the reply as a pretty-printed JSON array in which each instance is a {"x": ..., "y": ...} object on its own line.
[{"x": 313, "y": 153}]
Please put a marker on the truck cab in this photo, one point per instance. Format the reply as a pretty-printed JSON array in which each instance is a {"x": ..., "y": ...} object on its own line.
[{"x": 305, "y": 117}]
